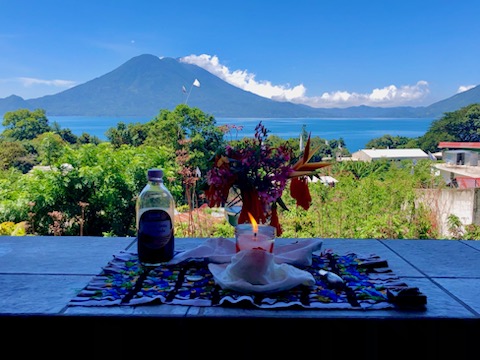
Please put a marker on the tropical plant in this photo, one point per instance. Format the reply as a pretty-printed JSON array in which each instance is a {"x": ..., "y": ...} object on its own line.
[
  {"x": 379, "y": 204},
  {"x": 93, "y": 194},
  {"x": 105, "y": 178},
  {"x": 12, "y": 229}
]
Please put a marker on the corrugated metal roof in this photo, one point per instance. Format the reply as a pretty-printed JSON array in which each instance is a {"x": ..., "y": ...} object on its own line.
[
  {"x": 458, "y": 145},
  {"x": 395, "y": 153},
  {"x": 467, "y": 182}
]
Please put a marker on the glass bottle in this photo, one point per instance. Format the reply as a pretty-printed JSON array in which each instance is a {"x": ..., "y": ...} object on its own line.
[{"x": 155, "y": 209}]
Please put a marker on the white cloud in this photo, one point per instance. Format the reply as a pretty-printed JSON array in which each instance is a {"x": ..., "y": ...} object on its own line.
[
  {"x": 31, "y": 87},
  {"x": 387, "y": 96},
  {"x": 245, "y": 80},
  {"x": 463, "y": 88},
  {"x": 28, "y": 82}
]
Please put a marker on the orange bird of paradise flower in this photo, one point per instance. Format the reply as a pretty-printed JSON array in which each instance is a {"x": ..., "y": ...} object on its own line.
[
  {"x": 301, "y": 169},
  {"x": 299, "y": 182}
]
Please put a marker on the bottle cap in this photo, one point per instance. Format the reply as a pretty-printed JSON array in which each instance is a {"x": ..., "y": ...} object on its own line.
[{"x": 155, "y": 174}]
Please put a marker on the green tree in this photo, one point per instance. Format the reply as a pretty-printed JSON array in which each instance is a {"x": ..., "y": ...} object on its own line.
[
  {"x": 86, "y": 138},
  {"x": 11, "y": 153},
  {"x": 460, "y": 125},
  {"x": 185, "y": 123},
  {"x": 464, "y": 124},
  {"x": 65, "y": 134},
  {"x": 24, "y": 124},
  {"x": 49, "y": 146},
  {"x": 127, "y": 134},
  {"x": 173, "y": 128},
  {"x": 166, "y": 129},
  {"x": 387, "y": 142},
  {"x": 97, "y": 191}
]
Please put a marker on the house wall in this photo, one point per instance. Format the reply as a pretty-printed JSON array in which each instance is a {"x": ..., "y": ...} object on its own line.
[
  {"x": 361, "y": 156},
  {"x": 464, "y": 203},
  {"x": 461, "y": 157},
  {"x": 476, "y": 208}
]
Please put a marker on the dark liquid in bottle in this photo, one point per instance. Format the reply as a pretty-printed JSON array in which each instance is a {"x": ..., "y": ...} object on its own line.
[{"x": 155, "y": 239}]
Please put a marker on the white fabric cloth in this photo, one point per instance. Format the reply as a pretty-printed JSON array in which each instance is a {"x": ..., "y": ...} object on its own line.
[
  {"x": 256, "y": 270},
  {"x": 221, "y": 250}
]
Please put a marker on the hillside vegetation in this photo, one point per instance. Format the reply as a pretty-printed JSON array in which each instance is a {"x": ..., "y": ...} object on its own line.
[{"x": 55, "y": 183}]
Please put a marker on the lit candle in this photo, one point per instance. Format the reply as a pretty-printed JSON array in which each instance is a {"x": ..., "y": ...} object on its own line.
[{"x": 254, "y": 236}]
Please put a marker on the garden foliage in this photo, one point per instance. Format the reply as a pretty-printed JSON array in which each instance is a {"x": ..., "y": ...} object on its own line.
[{"x": 54, "y": 183}]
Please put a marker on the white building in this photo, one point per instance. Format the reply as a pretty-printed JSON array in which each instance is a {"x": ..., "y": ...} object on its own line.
[
  {"x": 460, "y": 167},
  {"x": 389, "y": 154}
]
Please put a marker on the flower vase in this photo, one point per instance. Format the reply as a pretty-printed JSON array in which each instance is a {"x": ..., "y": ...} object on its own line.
[{"x": 251, "y": 206}]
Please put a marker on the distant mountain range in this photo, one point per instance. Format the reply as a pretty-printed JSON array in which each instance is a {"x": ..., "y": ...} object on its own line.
[{"x": 146, "y": 84}]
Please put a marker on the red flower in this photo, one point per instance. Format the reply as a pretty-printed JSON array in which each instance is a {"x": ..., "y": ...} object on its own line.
[{"x": 300, "y": 192}]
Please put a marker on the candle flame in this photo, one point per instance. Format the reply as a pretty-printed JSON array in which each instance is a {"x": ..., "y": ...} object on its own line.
[{"x": 254, "y": 223}]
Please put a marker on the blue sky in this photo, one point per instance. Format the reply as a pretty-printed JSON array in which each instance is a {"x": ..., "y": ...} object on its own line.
[{"x": 320, "y": 53}]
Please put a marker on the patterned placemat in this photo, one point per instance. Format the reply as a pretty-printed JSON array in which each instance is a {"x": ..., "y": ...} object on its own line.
[{"x": 368, "y": 283}]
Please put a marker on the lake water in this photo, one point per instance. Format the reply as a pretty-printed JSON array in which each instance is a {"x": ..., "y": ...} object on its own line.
[{"x": 355, "y": 132}]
